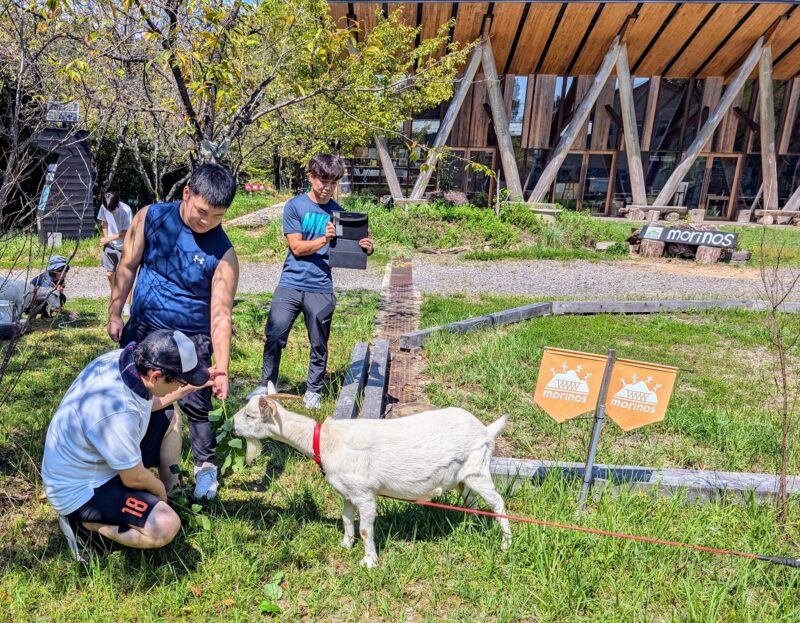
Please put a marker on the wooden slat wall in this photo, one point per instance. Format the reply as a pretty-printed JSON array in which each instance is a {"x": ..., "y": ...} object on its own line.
[
  {"x": 505, "y": 22},
  {"x": 601, "y": 120},
  {"x": 790, "y": 117},
  {"x": 409, "y": 11},
  {"x": 533, "y": 38},
  {"x": 433, "y": 16},
  {"x": 740, "y": 43},
  {"x": 574, "y": 23},
  {"x": 712, "y": 92},
  {"x": 582, "y": 86},
  {"x": 726, "y": 133},
  {"x": 469, "y": 21},
  {"x": 539, "y": 114},
  {"x": 508, "y": 92},
  {"x": 707, "y": 40},
  {"x": 650, "y": 113},
  {"x": 673, "y": 38},
  {"x": 459, "y": 137},
  {"x": 365, "y": 14},
  {"x": 642, "y": 31},
  {"x": 479, "y": 120},
  {"x": 605, "y": 29},
  {"x": 339, "y": 14}
]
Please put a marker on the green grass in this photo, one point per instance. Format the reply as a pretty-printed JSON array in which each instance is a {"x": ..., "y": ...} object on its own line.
[
  {"x": 722, "y": 414},
  {"x": 279, "y": 516},
  {"x": 245, "y": 203}
]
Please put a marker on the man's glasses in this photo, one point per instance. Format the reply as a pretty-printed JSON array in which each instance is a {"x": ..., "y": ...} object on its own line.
[{"x": 180, "y": 382}]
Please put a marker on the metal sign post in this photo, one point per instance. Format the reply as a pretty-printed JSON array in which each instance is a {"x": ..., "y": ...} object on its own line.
[{"x": 599, "y": 416}]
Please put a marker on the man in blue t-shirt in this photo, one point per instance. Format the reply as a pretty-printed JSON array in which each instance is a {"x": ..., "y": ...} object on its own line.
[{"x": 306, "y": 285}]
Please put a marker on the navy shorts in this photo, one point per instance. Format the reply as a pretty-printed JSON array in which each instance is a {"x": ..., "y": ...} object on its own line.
[{"x": 113, "y": 503}]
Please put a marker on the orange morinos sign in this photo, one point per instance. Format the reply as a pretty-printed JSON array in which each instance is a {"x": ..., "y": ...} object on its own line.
[
  {"x": 569, "y": 383},
  {"x": 639, "y": 393}
]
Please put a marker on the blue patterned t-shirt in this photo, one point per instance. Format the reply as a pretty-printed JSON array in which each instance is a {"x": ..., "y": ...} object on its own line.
[{"x": 310, "y": 273}]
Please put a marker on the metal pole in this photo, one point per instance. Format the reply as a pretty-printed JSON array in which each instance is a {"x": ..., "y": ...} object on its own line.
[{"x": 599, "y": 416}]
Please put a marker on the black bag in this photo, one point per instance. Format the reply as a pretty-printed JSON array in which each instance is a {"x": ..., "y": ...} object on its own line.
[{"x": 344, "y": 249}]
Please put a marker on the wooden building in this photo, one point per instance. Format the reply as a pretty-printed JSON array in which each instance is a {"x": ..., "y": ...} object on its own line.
[
  {"x": 67, "y": 204},
  {"x": 601, "y": 105}
]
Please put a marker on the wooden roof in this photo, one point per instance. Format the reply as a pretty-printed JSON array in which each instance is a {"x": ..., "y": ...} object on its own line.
[{"x": 673, "y": 39}]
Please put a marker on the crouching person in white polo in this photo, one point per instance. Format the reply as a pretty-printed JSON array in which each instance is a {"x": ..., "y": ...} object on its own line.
[{"x": 102, "y": 441}]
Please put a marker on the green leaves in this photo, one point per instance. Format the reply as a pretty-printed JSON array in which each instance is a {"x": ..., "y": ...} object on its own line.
[{"x": 273, "y": 592}]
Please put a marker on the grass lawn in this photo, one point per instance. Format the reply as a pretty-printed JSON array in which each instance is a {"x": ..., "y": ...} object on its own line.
[{"x": 275, "y": 529}]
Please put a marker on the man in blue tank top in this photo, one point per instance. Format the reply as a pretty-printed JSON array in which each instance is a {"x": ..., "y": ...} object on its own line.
[
  {"x": 188, "y": 273},
  {"x": 306, "y": 285}
]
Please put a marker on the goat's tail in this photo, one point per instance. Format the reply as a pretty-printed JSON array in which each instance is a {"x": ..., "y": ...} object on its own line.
[{"x": 495, "y": 428}]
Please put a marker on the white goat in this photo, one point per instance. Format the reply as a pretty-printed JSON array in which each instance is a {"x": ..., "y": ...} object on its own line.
[{"x": 417, "y": 457}]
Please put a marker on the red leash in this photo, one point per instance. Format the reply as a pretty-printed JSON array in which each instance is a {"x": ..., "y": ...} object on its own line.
[
  {"x": 779, "y": 560},
  {"x": 315, "y": 445}
]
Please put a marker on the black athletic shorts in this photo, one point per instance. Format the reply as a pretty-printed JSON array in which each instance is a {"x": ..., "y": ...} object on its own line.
[{"x": 113, "y": 503}]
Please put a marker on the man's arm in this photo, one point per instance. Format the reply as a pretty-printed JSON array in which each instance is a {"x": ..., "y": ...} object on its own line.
[
  {"x": 164, "y": 401},
  {"x": 141, "y": 478},
  {"x": 301, "y": 248},
  {"x": 132, "y": 253},
  {"x": 223, "y": 291}
]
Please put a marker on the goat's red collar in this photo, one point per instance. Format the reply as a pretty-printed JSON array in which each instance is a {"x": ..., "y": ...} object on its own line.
[{"x": 317, "y": 457}]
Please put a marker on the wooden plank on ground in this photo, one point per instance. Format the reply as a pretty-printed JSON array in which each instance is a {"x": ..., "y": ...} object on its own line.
[
  {"x": 535, "y": 33},
  {"x": 560, "y": 308},
  {"x": 374, "y": 392},
  {"x": 696, "y": 483},
  {"x": 354, "y": 380},
  {"x": 574, "y": 23}
]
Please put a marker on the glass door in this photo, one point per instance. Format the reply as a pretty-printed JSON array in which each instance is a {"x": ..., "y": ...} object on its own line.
[{"x": 720, "y": 185}]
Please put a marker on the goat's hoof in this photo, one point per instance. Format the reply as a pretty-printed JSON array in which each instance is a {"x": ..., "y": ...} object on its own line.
[
  {"x": 347, "y": 542},
  {"x": 369, "y": 562},
  {"x": 505, "y": 544}
]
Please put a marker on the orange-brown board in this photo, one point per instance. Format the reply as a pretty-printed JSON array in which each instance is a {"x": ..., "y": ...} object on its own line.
[
  {"x": 409, "y": 12},
  {"x": 789, "y": 66},
  {"x": 535, "y": 32},
  {"x": 710, "y": 36},
  {"x": 574, "y": 24},
  {"x": 786, "y": 34},
  {"x": 433, "y": 16},
  {"x": 603, "y": 32},
  {"x": 673, "y": 38},
  {"x": 365, "y": 15},
  {"x": 505, "y": 21},
  {"x": 742, "y": 40},
  {"x": 647, "y": 24},
  {"x": 338, "y": 12},
  {"x": 469, "y": 21}
]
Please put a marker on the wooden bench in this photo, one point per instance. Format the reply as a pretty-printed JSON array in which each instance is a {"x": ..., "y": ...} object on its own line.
[{"x": 661, "y": 209}]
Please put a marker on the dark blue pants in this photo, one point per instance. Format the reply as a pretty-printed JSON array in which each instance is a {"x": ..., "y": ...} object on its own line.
[
  {"x": 195, "y": 405},
  {"x": 317, "y": 309}
]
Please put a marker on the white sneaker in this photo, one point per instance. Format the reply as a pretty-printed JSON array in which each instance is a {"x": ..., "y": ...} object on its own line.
[
  {"x": 312, "y": 400},
  {"x": 76, "y": 544},
  {"x": 205, "y": 479},
  {"x": 126, "y": 311}
]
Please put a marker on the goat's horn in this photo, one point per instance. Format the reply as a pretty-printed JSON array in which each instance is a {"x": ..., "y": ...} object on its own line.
[{"x": 279, "y": 396}]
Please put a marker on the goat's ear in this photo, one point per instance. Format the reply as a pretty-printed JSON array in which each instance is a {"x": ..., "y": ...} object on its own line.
[{"x": 266, "y": 406}]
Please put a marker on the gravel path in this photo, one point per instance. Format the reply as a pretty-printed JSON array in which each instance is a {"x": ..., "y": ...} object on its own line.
[{"x": 581, "y": 279}]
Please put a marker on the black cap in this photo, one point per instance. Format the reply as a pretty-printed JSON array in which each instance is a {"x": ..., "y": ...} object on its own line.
[{"x": 174, "y": 354}]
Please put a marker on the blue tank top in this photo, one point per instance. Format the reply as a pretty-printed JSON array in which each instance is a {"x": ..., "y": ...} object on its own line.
[{"x": 173, "y": 288}]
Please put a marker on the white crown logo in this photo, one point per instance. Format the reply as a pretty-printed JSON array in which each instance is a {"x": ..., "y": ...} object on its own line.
[
  {"x": 569, "y": 381},
  {"x": 638, "y": 391}
]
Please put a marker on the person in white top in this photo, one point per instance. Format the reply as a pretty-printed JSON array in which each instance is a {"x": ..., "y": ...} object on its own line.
[
  {"x": 102, "y": 441},
  {"x": 115, "y": 217}
]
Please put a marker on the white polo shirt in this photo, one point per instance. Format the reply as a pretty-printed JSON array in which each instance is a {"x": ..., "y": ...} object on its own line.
[{"x": 95, "y": 432}]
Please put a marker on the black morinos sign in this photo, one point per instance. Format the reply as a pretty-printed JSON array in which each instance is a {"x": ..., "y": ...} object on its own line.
[{"x": 720, "y": 239}]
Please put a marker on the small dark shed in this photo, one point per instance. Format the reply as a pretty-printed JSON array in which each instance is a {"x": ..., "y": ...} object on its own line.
[{"x": 67, "y": 207}]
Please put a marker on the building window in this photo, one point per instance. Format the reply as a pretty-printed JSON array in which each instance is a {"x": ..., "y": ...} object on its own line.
[{"x": 518, "y": 105}]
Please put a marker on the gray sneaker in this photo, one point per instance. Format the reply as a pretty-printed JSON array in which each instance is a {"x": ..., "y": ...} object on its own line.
[
  {"x": 76, "y": 544},
  {"x": 205, "y": 479},
  {"x": 312, "y": 400}
]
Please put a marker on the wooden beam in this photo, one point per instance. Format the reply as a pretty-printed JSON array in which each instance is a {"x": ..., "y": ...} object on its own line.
[
  {"x": 354, "y": 380},
  {"x": 650, "y": 112},
  {"x": 576, "y": 123},
  {"x": 375, "y": 390},
  {"x": 447, "y": 123},
  {"x": 388, "y": 167},
  {"x": 506, "y": 147},
  {"x": 710, "y": 126},
  {"x": 794, "y": 200},
  {"x": 629, "y": 128},
  {"x": 766, "y": 114},
  {"x": 791, "y": 114}
]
